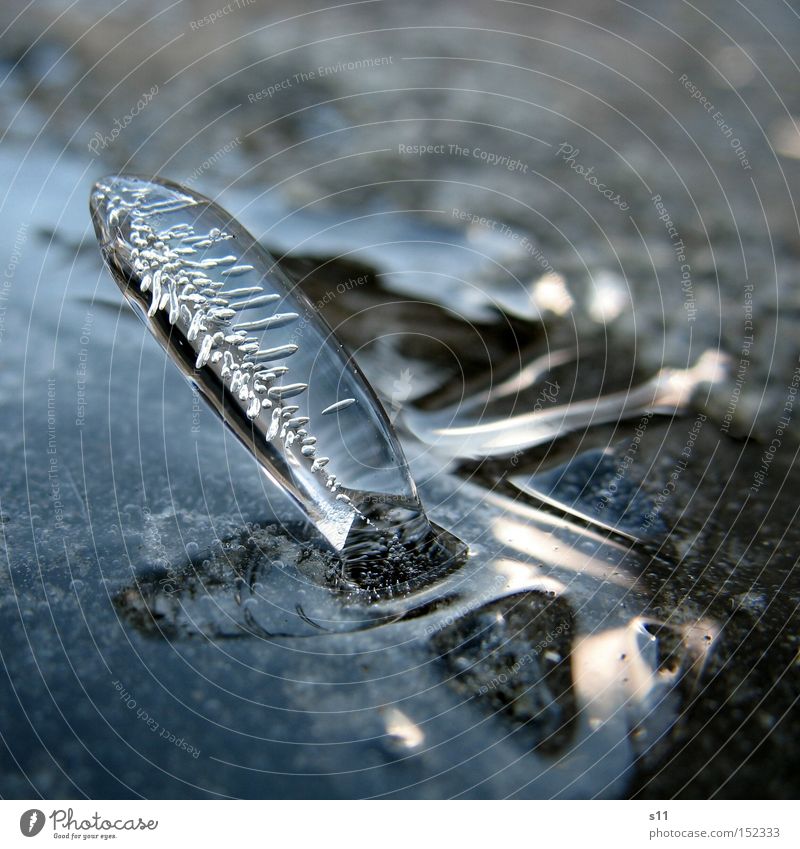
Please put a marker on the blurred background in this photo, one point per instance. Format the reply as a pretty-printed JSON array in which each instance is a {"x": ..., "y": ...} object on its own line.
[{"x": 464, "y": 188}]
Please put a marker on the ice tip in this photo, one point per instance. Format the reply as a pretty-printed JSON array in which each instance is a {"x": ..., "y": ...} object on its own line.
[
  {"x": 104, "y": 196},
  {"x": 132, "y": 186},
  {"x": 113, "y": 184},
  {"x": 115, "y": 194}
]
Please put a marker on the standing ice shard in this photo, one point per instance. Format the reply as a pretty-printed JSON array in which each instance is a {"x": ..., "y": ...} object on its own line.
[{"x": 265, "y": 360}]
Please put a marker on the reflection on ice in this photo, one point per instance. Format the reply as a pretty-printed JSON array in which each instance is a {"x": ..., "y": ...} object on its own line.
[
  {"x": 404, "y": 733},
  {"x": 668, "y": 392}
]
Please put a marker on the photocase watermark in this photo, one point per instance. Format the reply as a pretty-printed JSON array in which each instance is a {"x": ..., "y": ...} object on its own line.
[
  {"x": 53, "y": 476},
  {"x": 488, "y": 157},
  {"x": 678, "y": 469},
  {"x": 743, "y": 365},
  {"x": 100, "y": 141},
  {"x": 9, "y": 273},
  {"x": 522, "y": 239},
  {"x": 719, "y": 119},
  {"x": 210, "y": 161},
  {"x": 548, "y": 394},
  {"x": 624, "y": 465},
  {"x": 328, "y": 298},
  {"x": 321, "y": 72},
  {"x": 80, "y": 371},
  {"x": 679, "y": 249},
  {"x": 223, "y": 11},
  {"x": 760, "y": 476},
  {"x": 455, "y": 613},
  {"x": 541, "y": 648},
  {"x": 196, "y": 406},
  {"x": 569, "y": 155},
  {"x": 153, "y": 724}
]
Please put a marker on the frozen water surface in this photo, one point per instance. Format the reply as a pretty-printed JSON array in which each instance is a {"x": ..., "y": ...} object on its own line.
[
  {"x": 553, "y": 661},
  {"x": 536, "y": 628}
]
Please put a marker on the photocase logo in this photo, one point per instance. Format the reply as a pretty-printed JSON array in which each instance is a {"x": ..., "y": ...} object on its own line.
[
  {"x": 31, "y": 822},
  {"x": 67, "y": 826}
]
